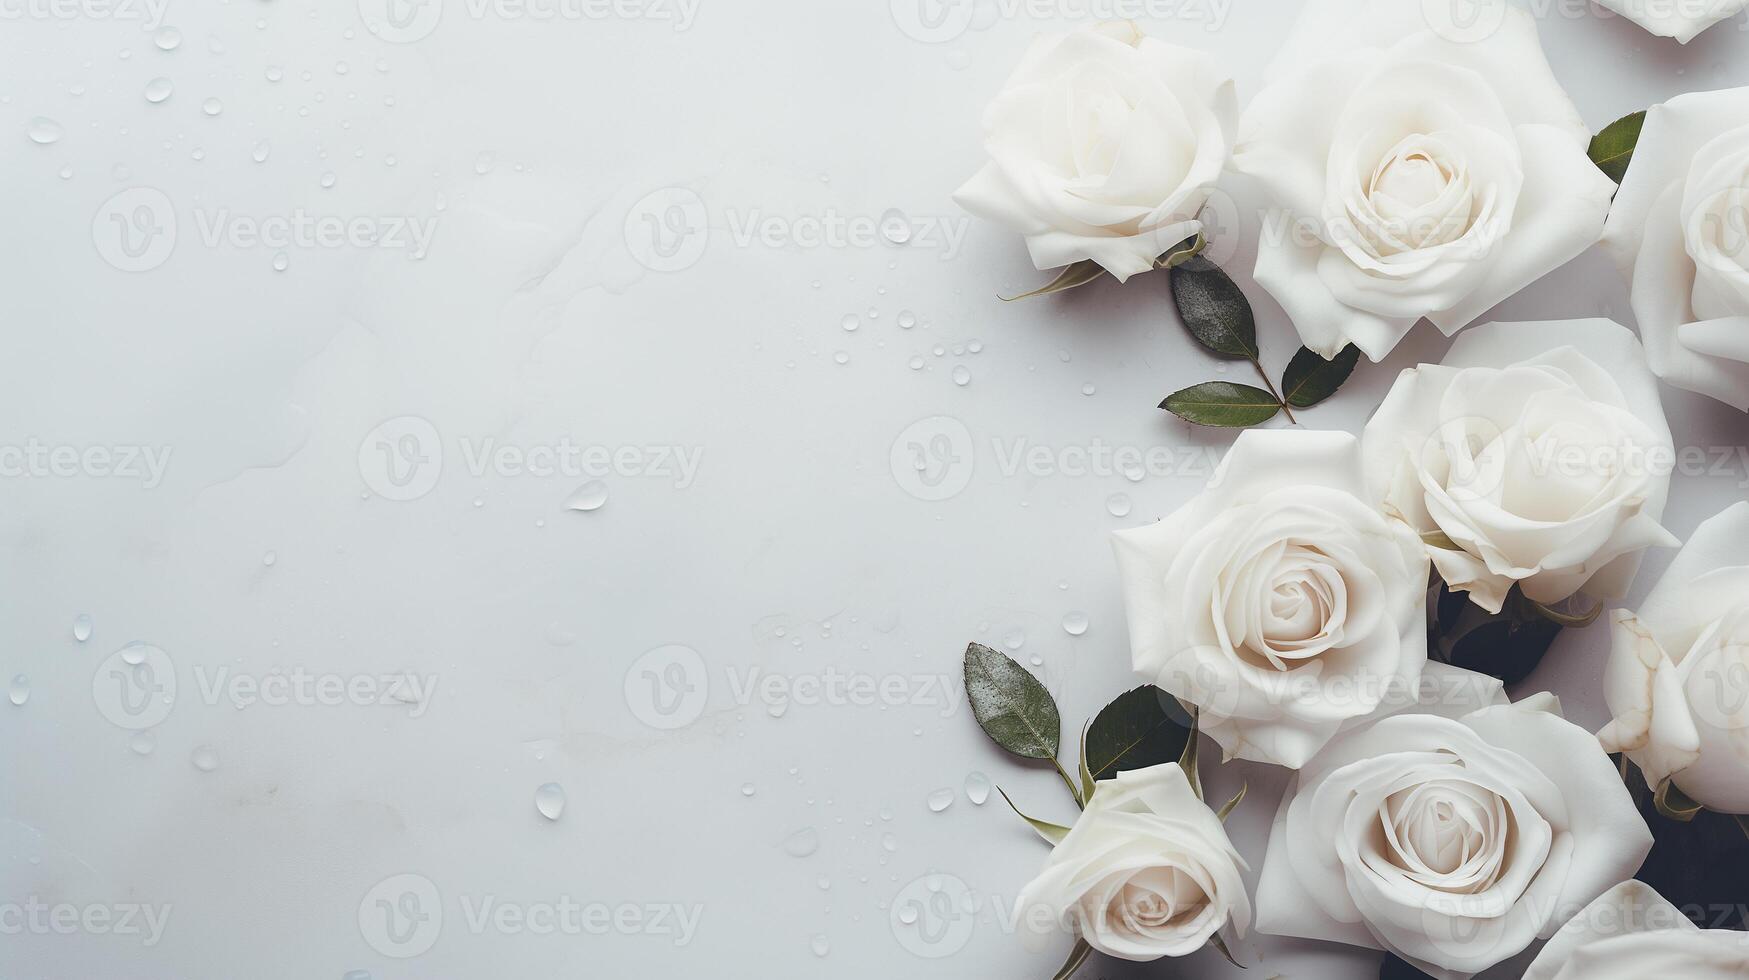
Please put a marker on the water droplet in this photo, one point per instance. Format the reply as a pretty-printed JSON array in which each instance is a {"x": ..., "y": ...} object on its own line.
[
  {"x": 908, "y": 913},
  {"x": 850, "y": 322},
  {"x": 895, "y": 226},
  {"x": 143, "y": 743},
  {"x": 270, "y": 558},
  {"x": 549, "y": 799},
  {"x": 167, "y": 39},
  {"x": 19, "y": 692},
  {"x": 1075, "y": 623},
  {"x": 961, "y": 376},
  {"x": 590, "y": 496},
  {"x": 327, "y": 179},
  {"x": 44, "y": 130},
  {"x": 824, "y": 883},
  {"x": 820, "y": 945},
  {"x": 1014, "y": 639},
  {"x": 842, "y": 357},
  {"x": 1118, "y": 504},
  {"x": 82, "y": 627},
  {"x": 484, "y": 163},
  {"x": 1088, "y": 389},
  {"x": 204, "y": 758},
  {"x": 275, "y": 73},
  {"x": 262, "y": 149},
  {"x": 889, "y": 842},
  {"x": 977, "y": 788},
  {"x": 916, "y": 363},
  {"x": 281, "y": 262},
  {"x": 159, "y": 89},
  {"x": 134, "y": 654},
  {"x": 747, "y": 789},
  {"x": 940, "y": 800},
  {"x": 907, "y": 319},
  {"x": 802, "y": 843}
]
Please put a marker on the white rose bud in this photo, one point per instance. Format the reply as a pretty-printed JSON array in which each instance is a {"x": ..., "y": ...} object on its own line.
[
  {"x": 1413, "y": 173},
  {"x": 1680, "y": 19},
  {"x": 1453, "y": 842},
  {"x": 1677, "y": 680},
  {"x": 1147, "y": 871},
  {"x": 1537, "y": 454},
  {"x": 1680, "y": 232},
  {"x": 1104, "y": 145},
  {"x": 1279, "y": 601}
]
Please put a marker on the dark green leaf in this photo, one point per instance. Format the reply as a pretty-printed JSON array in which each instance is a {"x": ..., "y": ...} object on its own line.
[
  {"x": 1504, "y": 648},
  {"x": 1310, "y": 379},
  {"x": 1087, "y": 780},
  {"x": 1561, "y": 617},
  {"x": 1233, "y": 804},
  {"x": 1011, "y": 705},
  {"x": 1440, "y": 540},
  {"x": 1213, "y": 309},
  {"x": 1077, "y": 956},
  {"x": 1220, "y": 946},
  {"x": 1222, "y": 403},
  {"x": 1183, "y": 252},
  {"x": 1613, "y": 148},
  {"x": 1189, "y": 760},
  {"x": 1079, "y": 274},
  {"x": 1053, "y": 833},
  {"x": 1672, "y": 802},
  {"x": 1142, "y": 728}
]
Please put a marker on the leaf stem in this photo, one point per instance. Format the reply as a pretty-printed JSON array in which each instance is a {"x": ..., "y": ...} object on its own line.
[
  {"x": 1267, "y": 383},
  {"x": 1069, "y": 781}
]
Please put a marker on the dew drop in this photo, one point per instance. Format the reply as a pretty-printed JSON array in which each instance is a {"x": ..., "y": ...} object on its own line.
[
  {"x": 143, "y": 743},
  {"x": 1118, "y": 504},
  {"x": 159, "y": 89},
  {"x": 802, "y": 843},
  {"x": 204, "y": 758},
  {"x": 961, "y": 375},
  {"x": 850, "y": 322},
  {"x": 82, "y": 627},
  {"x": 549, "y": 799},
  {"x": 270, "y": 558},
  {"x": 590, "y": 496},
  {"x": 977, "y": 788},
  {"x": 1014, "y": 639},
  {"x": 167, "y": 39},
  {"x": 820, "y": 945},
  {"x": 19, "y": 691},
  {"x": 916, "y": 363},
  {"x": 1075, "y": 623},
  {"x": 44, "y": 130},
  {"x": 842, "y": 357},
  {"x": 908, "y": 913},
  {"x": 1088, "y": 389},
  {"x": 262, "y": 150},
  {"x": 895, "y": 226},
  {"x": 747, "y": 789},
  {"x": 484, "y": 163},
  {"x": 907, "y": 319},
  {"x": 275, "y": 73},
  {"x": 327, "y": 180},
  {"x": 889, "y": 843},
  {"x": 940, "y": 800},
  {"x": 281, "y": 262}
]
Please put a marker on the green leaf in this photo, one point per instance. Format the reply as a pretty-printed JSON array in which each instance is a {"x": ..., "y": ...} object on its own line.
[
  {"x": 1220, "y": 946},
  {"x": 1674, "y": 803},
  {"x": 1053, "y": 833},
  {"x": 1183, "y": 252},
  {"x": 1233, "y": 803},
  {"x": 1079, "y": 274},
  {"x": 1310, "y": 379},
  {"x": 1504, "y": 648},
  {"x": 1188, "y": 761},
  {"x": 1440, "y": 540},
  {"x": 1222, "y": 404},
  {"x": 1213, "y": 309},
  {"x": 1087, "y": 779},
  {"x": 1142, "y": 728},
  {"x": 1613, "y": 148},
  {"x": 1560, "y": 618},
  {"x": 1011, "y": 705},
  {"x": 1077, "y": 956}
]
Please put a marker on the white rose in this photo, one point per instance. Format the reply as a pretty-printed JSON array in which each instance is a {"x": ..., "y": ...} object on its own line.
[
  {"x": 1680, "y": 19},
  {"x": 1147, "y": 871},
  {"x": 1414, "y": 175},
  {"x": 1537, "y": 454},
  {"x": 1452, "y": 842},
  {"x": 1104, "y": 145},
  {"x": 1278, "y": 601},
  {"x": 1631, "y": 933},
  {"x": 1677, "y": 681},
  {"x": 1680, "y": 231}
]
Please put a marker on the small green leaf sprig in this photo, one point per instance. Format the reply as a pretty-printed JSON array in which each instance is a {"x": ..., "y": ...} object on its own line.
[{"x": 1143, "y": 727}]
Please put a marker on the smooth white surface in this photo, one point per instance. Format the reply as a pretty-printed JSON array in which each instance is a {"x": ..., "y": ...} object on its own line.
[{"x": 531, "y": 320}]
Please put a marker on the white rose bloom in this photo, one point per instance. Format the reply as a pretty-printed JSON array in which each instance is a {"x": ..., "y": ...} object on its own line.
[
  {"x": 1539, "y": 451},
  {"x": 1414, "y": 174},
  {"x": 1279, "y": 601},
  {"x": 1677, "y": 681},
  {"x": 1680, "y": 231},
  {"x": 1631, "y": 933},
  {"x": 1680, "y": 19},
  {"x": 1452, "y": 842},
  {"x": 1147, "y": 871},
  {"x": 1104, "y": 145}
]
